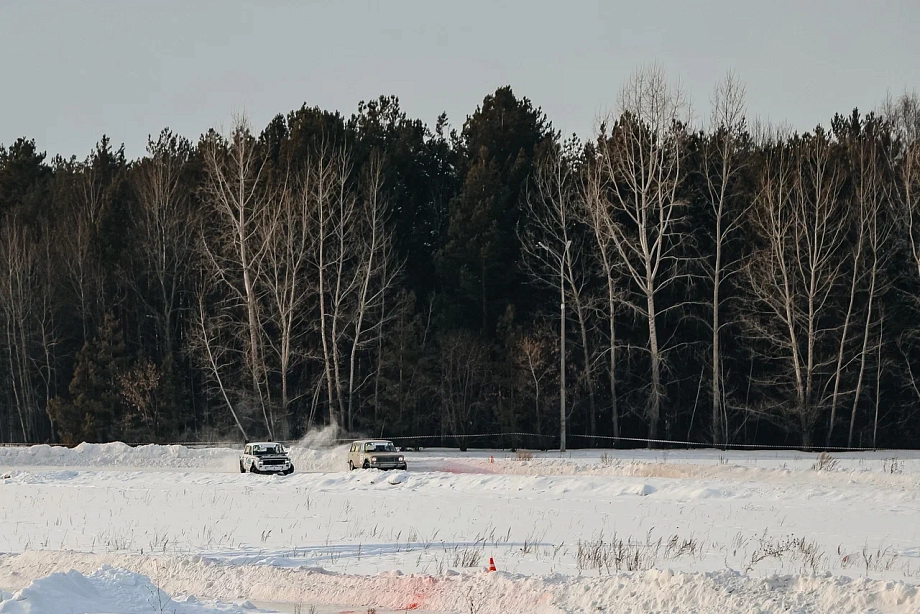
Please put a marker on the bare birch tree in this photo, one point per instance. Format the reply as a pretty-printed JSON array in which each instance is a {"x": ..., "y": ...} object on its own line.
[
  {"x": 873, "y": 196},
  {"x": 354, "y": 264},
  {"x": 904, "y": 115},
  {"x": 596, "y": 213},
  {"x": 290, "y": 241},
  {"x": 643, "y": 160},
  {"x": 553, "y": 254},
  {"x": 863, "y": 258},
  {"x": 18, "y": 268},
  {"x": 47, "y": 327},
  {"x": 800, "y": 224},
  {"x": 465, "y": 383},
  {"x": 29, "y": 336},
  {"x": 83, "y": 214},
  {"x": 210, "y": 340},
  {"x": 335, "y": 212},
  {"x": 723, "y": 163},
  {"x": 376, "y": 271},
  {"x": 166, "y": 229},
  {"x": 237, "y": 195},
  {"x": 534, "y": 365}
]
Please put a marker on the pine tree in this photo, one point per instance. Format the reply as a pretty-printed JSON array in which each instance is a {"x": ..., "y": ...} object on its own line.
[
  {"x": 95, "y": 405},
  {"x": 479, "y": 263}
]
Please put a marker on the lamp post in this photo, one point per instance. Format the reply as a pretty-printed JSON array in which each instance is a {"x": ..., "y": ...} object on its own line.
[{"x": 562, "y": 258}]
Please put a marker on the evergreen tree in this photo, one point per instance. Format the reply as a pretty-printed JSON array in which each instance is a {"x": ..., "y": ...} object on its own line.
[
  {"x": 94, "y": 409},
  {"x": 23, "y": 179},
  {"x": 479, "y": 263},
  {"x": 419, "y": 180}
]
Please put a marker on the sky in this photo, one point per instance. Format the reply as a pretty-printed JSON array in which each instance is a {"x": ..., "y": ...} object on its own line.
[{"x": 73, "y": 71}]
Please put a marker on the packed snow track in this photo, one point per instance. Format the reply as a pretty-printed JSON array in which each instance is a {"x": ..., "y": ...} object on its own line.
[{"x": 103, "y": 528}]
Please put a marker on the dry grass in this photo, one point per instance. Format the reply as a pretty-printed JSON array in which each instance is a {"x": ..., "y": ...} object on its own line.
[
  {"x": 608, "y": 461},
  {"x": 470, "y": 556},
  {"x": 893, "y": 466},
  {"x": 881, "y": 559},
  {"x": 618, "y": 554},
  {"x": 825, "y": 462},
  {"x": 789, "y": 548}
]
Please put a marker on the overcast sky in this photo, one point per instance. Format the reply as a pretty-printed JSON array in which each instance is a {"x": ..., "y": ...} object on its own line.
[{"x": 72, "y": 71}]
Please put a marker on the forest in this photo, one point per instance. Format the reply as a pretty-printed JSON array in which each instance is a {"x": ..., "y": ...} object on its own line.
[{"x": 678, "y": 276}]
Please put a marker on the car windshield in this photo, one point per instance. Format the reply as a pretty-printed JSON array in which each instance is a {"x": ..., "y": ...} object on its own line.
[
  {"x": 262, "y": 450},
  {"x": 381, "y": 447}
]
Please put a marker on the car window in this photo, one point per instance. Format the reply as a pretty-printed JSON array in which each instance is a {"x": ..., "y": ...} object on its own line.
[
  {"x": 248, "y": 450},
  {"x": 369, "y": 447}
]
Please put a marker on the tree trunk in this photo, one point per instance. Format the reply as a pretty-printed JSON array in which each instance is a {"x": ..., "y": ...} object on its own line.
[
  {"x": 718, "y": 432},
  {"x": 614, "y": 413},
  {"x": 586, "y": 370},
  {"x": 654, "y": 407},
  {"x": 838, "y": 373},
  {"x": 863, "y": 353}
]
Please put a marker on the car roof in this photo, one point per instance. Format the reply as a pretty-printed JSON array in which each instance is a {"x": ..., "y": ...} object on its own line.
[
  {"x": 373, "y": 441},
  {"x": 263, "y": 443}
]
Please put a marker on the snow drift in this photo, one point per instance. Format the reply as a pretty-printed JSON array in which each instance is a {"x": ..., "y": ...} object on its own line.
[
  {"x": 104, "y": 591},
  {"x": 118, "y": 455},
  {"x": 486, "y": 593}
]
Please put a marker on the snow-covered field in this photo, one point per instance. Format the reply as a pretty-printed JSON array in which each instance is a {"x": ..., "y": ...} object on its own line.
[{"x": 110, "y": 528}]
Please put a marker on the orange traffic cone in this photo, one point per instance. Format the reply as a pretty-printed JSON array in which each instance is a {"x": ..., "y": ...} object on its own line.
[{"x": 492, "y": 564}]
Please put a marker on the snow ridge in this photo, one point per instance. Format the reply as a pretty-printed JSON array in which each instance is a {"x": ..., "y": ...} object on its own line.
[
  {"x": 487, "y": 593},
  {"x": 105, "y": 590}
]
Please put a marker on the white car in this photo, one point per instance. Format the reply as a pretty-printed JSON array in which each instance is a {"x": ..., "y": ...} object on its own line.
[
  {"x": 375, "y": 454},
  {"x": 266, "y": 457}
]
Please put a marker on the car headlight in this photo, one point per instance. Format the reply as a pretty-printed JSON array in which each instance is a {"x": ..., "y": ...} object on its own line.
[
  {"x": 373, "y": 459},
  {"x": 401, "y": 459}
]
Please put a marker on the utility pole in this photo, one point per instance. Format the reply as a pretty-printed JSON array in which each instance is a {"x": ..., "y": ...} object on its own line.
[{"x": 562, "y": 258}]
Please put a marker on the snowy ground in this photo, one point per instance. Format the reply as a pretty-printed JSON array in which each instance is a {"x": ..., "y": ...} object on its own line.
[{"x": 590, "y": 531}]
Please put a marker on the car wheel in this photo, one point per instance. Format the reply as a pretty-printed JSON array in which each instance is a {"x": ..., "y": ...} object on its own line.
[
  {"x": 252, "y": 468},
  {"x": 351, "y": 466},
  {"x": 367, "y": 465},
  {"x": 288, "y": 471},
  {"x": 242, "y": 469}
]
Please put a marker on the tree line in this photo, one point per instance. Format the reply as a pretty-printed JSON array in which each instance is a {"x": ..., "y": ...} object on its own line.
[{"x": 728, "y": 283}]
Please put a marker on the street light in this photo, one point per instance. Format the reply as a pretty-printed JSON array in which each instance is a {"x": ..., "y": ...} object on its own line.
[{"x": 562, "y": 259}]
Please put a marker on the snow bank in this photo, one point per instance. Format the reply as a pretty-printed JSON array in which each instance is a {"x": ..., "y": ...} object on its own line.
[
  {"x": 898, "y": 469},
  {"x": 487, "y": 593},
  {"x": 308, "y": 455},
  {"x": 117, "y": 454},
  {"x": 105, "y": 590}
]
